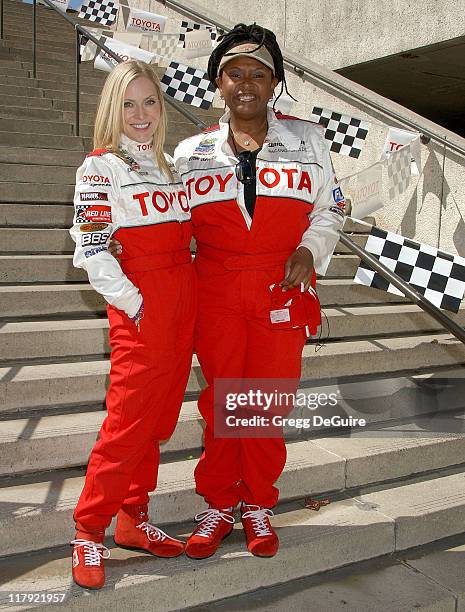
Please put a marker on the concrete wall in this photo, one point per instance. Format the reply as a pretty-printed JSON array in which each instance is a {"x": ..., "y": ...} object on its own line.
[
  {"x": 345, "y": 32},
  {"x": 433, "y": 208}
]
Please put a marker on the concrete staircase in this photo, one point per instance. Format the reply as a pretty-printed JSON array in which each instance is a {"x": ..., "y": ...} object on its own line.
[{"x": 397, "y": 484}]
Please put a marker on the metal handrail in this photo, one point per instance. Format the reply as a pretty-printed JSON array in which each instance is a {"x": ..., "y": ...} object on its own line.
[
  {"x": 301, "y": 69},
  {"x": 81, "y": 30}
]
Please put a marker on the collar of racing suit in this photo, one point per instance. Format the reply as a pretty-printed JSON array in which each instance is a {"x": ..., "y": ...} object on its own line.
[
  {"x": 277, "y": 131},
  {"x": 136, "y": 149}
]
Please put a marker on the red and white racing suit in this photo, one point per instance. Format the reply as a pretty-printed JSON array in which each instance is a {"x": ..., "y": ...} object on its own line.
[
  {"x": 132, "y": 200},
  {"x": 299, "y": 203}
]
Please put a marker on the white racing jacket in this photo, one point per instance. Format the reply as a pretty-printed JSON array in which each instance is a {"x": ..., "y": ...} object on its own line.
[
  {"x": 132, "y": 199},
  {"x": 299, "y": 201}
]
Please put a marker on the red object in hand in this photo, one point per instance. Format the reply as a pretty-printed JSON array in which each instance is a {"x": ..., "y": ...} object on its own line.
[{"x": 295, "y": 308}]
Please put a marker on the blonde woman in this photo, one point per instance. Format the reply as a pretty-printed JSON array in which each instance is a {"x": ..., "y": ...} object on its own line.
[{"x": 127, "y": 188}]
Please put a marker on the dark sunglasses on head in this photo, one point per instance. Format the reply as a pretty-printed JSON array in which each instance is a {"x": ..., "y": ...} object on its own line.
[{"x": 245, "y": 170}]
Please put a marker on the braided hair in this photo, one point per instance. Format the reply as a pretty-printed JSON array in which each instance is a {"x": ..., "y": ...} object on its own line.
[{"x": 253, "y": 33}]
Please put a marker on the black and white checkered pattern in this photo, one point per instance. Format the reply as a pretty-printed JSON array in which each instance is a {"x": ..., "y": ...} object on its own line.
[
  {"x": 188, "y": 84},
  {"x": 99, "y": 11},
  {"x": 437, "y": 275},
  {"x": 399, "y": 171},
  {"x": 190, "y": 26},
  {"x": 346, "y": 134}
]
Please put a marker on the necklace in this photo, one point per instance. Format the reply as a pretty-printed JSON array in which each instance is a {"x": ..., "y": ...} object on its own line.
[{"x": 250, "y": 138}]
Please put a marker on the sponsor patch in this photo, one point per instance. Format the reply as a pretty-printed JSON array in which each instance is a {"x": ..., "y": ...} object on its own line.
[
  {"x": 92, "y": 196},
  {"x": 93, "y": 227},
  {"x": 95, "y": 179},
  {"x": 91, "y": 252},
  {"x": 93, "y": 239},
  {"x": 146, "y": 146},
  {"x": 98, "y": 213},
  {"x": 80, "y": 210},
  {"x": 338, "y": 195},
  {"x": 337, "y": 210},
  {"x": 205, "y": 147}
]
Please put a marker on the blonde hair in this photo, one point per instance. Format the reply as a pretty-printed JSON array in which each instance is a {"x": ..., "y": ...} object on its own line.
[{"x": 109, "y": 121}]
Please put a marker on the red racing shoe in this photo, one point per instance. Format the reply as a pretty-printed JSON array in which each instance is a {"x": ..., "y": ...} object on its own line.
[
  {"x": 262, "y": 540},
  {"x": 214, "y": 526},
  {"x": 134, "y": 532},
  {"x": 88, "y": 570}
]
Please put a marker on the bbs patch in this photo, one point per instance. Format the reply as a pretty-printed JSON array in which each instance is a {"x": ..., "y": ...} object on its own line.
[{"x": 95, "y": 239}]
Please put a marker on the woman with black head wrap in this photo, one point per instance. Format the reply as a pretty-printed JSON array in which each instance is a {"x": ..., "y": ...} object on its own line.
[{"x": 266, "y": 210}]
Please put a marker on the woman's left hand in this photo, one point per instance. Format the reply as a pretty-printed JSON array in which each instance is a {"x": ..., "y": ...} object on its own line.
[
  {"x": 298, "y": 269},
  {"x": 115, "y": 248}
]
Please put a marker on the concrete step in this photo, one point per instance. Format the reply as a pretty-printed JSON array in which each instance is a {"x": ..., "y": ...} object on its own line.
[
  {"x": 49, "y": 339},
  {"x": 96, "y": 78},
  {"x": 44, "y": 141},
  {"x": 86, "y": 69},
  {"x": 62, "y": 441},
  {"x": 183, "y": 582},
  {"x": 372, "y": 453},
  {"x": 43, "y": 300},
  {"x": 15, "y": 70},
  {"x": 390, "y": 584},
  {"x": 44, "y": 58},
  {"x": 87, "y": 106},
  {"x": 59, "y": 268},
  {"x": 36, "y": 240},
  {"x": 25, "y": 102},
  {"x": 56, "y": 240},
  {"x": 24, "y": 11},
  {"x": 44, "y": 157},
  {"x": 12, "y": 64},
  {"x": 28, "y": 112},
  {"x": 41, "y": 384},
  {"x": 85, "y": 87},
  {"x": 37, "y": 174},
  {"x": 397, "y": 518},
  {"x": 23, "y": 50},
  {"x": 15, "y": 90},
  {"x": 28, "y": 192},
  {"x": 27, "y": 126},
  {"x": 43, "y": 42},
  {"x": 17, "y": 23},
  {"x": 37, "y": 215}
]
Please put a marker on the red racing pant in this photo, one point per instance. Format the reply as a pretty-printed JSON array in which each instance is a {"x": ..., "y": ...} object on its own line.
[
  {"x": 233, "y": 339},
  {"x": 148, "y": 377}
]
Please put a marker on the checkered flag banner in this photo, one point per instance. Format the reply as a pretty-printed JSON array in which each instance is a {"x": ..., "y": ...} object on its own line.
[
  {"x": 399, "y": 171},
  {"x": 437, "y": 275},
  {"x": 188, "y": 84},
  {"x": 87, "y": 48},
  {"x": 99, "y": 11},
  {"x": 346, "y": 134},
  {"x": 163, "y": 45},
  {"x": 190, "y": 26}
]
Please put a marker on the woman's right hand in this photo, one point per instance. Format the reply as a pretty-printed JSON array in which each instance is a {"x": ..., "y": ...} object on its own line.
[{"x": 115, "y": 248}]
